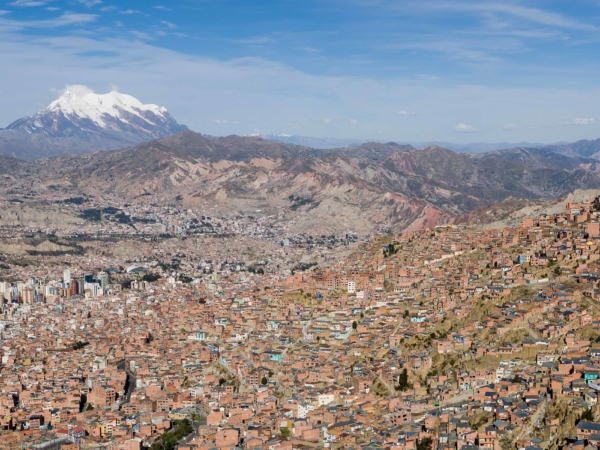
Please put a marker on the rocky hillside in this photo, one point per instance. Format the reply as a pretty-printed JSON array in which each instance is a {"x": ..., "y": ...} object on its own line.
[
  {"x": 408, "y": 189},
  {"x": 371, "y": 150},
  {"x": 583, "y": 148},
  {"x": 510, "y": 212}
]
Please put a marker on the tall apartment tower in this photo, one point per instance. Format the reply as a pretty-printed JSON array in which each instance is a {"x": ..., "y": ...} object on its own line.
[
  {"x": 103, "y": 279},
  {"x": 74, "y": 287},
  {"x": 67, "y": 276}
]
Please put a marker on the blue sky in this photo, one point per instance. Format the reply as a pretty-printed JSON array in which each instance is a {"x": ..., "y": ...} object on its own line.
[{"x": 461, "y": 71}]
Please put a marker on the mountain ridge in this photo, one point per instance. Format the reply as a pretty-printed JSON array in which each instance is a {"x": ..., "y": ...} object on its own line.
[
  {"x": 317, "y": 191},
  {"x": 87, "y": 122}
]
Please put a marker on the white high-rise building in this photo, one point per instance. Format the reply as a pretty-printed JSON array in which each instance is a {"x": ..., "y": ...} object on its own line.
[
  {"x": 67, "y": 277},
  {"x": 103, "y": 279},
  {"x": 351, "y": 287}
]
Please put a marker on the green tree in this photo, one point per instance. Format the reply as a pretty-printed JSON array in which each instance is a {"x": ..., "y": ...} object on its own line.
[
  {"x": 354, "y": 325},
  {"x": 587, "y": 415},
  {"x": 425, "y": 444},
  {"x": 168, "y": 441},
  {"x": 264, "y": 381},
  {"x": 150, "y": 277},
  {"x": 403, "y": 383},
  {"x": 79, "y": 345},
  {"x": 285, "y": 432}
]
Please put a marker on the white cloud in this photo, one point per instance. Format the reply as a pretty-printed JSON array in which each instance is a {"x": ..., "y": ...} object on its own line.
[
  {"x": 510, "y": 126},
  {"x": 129, "y": 11},
  {"x": 406, "y": 113},
  {"x": 464, "y": 128},
  {"x": 28, "y": 3},
  {"x": 536, "y": 15},
  {"x": 583, "y": 121},
  {"x": 163, "y": 8},
  {"x": 264, "y": 94},
  {"x": 141, "y": 35},
  {"x": 309, "y": 49},
  {"x": 66, "y": 19},
  {"x": 220, "y": 121},
  {"x": 533, "y": 15},
  {"x": 257, "y": 40},
  {"x": 168, "y": 24},
  {"x": 90, "y": 3},
  {"x": 353, "y": 121}
]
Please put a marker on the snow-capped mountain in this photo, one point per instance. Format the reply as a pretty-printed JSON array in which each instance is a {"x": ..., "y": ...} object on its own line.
[
  {"x": 84, "y": 122},
  {"x": 73, "y": 115}
]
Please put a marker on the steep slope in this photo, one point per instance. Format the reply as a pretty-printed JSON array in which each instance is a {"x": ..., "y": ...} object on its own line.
[
  {"x": 542, "y": 158},
  {"x": 463, "y": 182},
  {"x": 583, "y": 148},
  {"x": 510, "y": 212}
]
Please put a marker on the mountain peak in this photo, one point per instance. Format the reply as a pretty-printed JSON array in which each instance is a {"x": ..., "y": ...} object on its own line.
[
  {"x": 68, "y": 94},
  {"x": 93, "y": 121},
  {"x": 85, "y": 112},
  {"x": 101, "y": 109}
]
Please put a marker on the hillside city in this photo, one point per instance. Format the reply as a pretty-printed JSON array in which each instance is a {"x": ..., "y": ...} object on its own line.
[
  {"x": 299, "y": 225},
  {"x": 445, "y": 338}
]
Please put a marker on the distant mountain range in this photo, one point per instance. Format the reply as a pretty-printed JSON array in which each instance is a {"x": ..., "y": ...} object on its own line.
[
  {"x": 318, "y": 191},
  {"x": 85, "y": 123},
  {"x": 358, "y": 186},
  {"x": 333, "y": 143},
  {"x": 584, "y": 148}
]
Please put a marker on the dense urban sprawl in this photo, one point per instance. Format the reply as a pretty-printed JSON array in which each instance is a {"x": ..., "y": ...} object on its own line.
[{"x": 445, "y": 338}]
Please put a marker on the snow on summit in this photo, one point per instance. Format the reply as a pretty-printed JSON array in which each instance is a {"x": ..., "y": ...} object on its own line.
[
  {"x": 102, "y": 120},
  {"x": 94, "y": 106}
]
